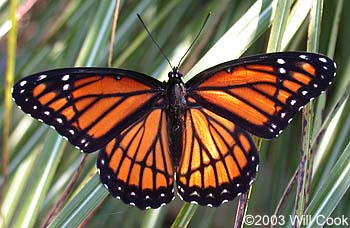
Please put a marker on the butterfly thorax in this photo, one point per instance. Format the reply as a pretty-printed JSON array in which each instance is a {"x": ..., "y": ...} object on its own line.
[{"x": 176, "y": 102}]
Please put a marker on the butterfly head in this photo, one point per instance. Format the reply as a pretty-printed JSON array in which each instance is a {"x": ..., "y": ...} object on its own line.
[{"x": 175, "y": 73}]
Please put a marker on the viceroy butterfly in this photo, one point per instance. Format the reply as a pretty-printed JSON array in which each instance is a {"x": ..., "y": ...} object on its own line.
[{"x": 149, "y": 132}]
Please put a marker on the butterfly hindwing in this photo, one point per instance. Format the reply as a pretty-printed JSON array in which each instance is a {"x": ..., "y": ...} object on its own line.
[
  {"x": 219, "y": 159},
  {"x": 136, "y": 165},
  {"x": 89, "y": 106},
  {"x": 263, "y": 93}
]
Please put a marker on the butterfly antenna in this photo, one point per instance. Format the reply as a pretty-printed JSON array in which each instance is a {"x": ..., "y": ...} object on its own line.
[
  {"x": 195, "y": 39},
  {"x": 154, "y": 41}
]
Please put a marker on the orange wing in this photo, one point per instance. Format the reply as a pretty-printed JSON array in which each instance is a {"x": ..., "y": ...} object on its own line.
[
  {"x": 262, "y": 93},
  {"x": 219, "y": 159},
  {"x": 89, "y": 106},
  {"x": 136, "y": 165}
]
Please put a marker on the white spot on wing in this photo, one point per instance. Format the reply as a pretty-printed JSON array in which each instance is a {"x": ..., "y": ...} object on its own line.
[
  {"x": 65, "y": 87},
  {"x": 194, "y": 193},
  {"x": 65, "y": 77},
  {"x": 282, "y": 70},
  {"x": 281, "y": 61},
  {"x": 303, "y": 57},
  {"x": 324, "y": 60},
  {"x": 22, "y": 83},
  {"x": 41, "y": 77},
  {"x": 224, "y": 191}
]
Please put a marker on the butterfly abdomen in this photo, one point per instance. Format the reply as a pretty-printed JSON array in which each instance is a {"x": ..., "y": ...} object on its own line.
[{"x": 176, "y": 102}]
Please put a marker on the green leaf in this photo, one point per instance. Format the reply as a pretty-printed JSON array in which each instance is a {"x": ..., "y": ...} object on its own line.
[{"x": 331, "y": 192}]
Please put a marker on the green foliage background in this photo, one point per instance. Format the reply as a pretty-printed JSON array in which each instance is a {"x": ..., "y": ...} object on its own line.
[{"x": 63, "y": 33}]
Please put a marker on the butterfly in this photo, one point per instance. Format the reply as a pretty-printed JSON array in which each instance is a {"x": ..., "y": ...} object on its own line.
[{"x": 153, "y": 135}]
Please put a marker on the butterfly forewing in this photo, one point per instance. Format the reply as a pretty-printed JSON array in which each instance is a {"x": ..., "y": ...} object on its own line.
[
  {"x": 89, "y": 106},
  {"x": 136, "y": 165},
  {"x": 263, "y": 93}
]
